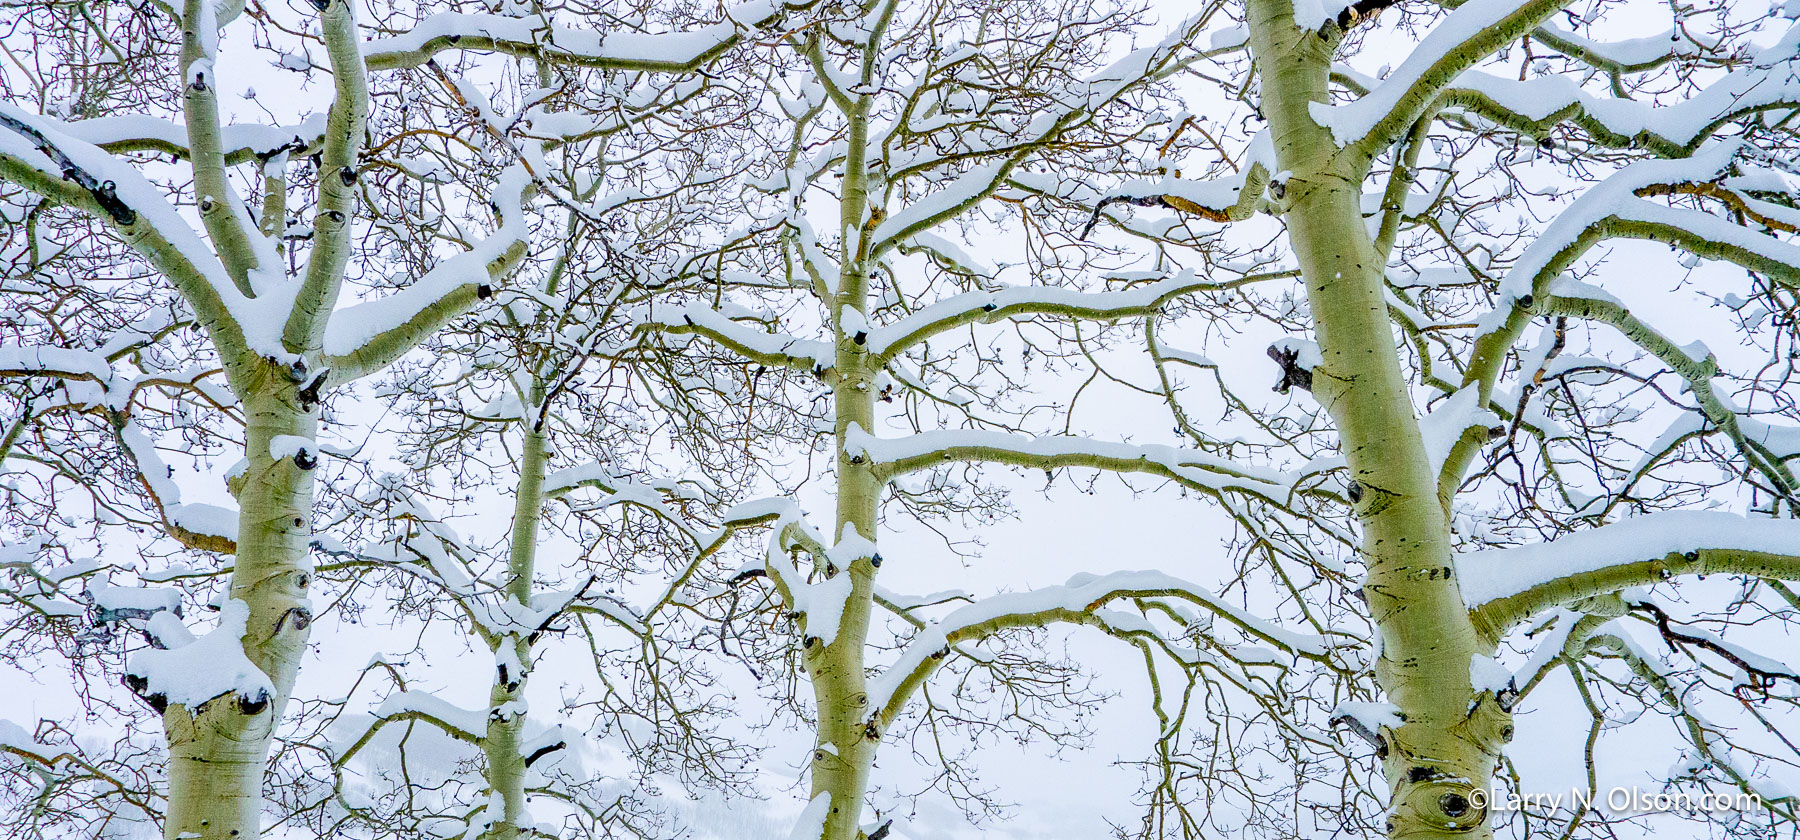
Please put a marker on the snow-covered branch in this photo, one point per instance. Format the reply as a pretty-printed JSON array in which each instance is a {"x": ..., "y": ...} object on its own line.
[
  {"x": 535, "y": 37},
  {"x": 40, "y": 158},
  {"x": 1189, "y": 467},
  {"x": 886, "y": 342},
  {"x": 1466, "y": 36},
  {"x": 1083, "y": 601},
  {"x": 1506, "y": 586},
  {"x": 364, "y": 338},
  {"x": 723, "y": 327}
]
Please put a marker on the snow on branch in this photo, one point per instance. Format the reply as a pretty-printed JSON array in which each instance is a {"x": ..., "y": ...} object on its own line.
[
  {"x": 202, "y": 526},
  {"x": 1505, "y": 586},
  {"x": 39, "y": 157},
  {"x": 1467, "y": 35},
  {"x": 955, "y": 197},
  {"x": 241, "y": 142},
  {"x": 1630, "y": 55},
  {"x": 533, "y": 36},
  {"x": 723, "y": 327},
  {"x": 1232, "y": 198},
  {"x": 467, "y": 725},
  {"x": 1534, "y": 105},
  {"x": 1080, "y": 601},
  {"x": 987, "y": 307},
  {"x": 1191, "y": 467},
  {"x": 364, "y": 338},
  {"x": 191, "y": 672},
  {"x": 58, "y": 362}
]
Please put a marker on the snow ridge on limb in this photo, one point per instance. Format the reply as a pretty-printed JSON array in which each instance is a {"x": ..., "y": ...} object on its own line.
[
  {"x": 36, "y": 155},
  {"x": 1080, "y": 601},
  {"x": 240, "y": 142},
  {"x": 365, "y": 337},
  {"x": 722, "y": 327},
  {"x": 1616, "y": 207},
  {"x": 888, "y": 341},
  {"x": 1467, "y": 35},
  {"x": 202, "y": 526},
  {"x": 16, "y": 360},
  {"x": 1193, "y": 468},
  {"x": 1507, "y": 585},
  {"x": 193, "y": 671},
  {"x": 533, "y": 35},
  {"x": 1534, "y": 105},
  {"x": 1232, "y": 198},
  {"x": 1616, "y": 201}
]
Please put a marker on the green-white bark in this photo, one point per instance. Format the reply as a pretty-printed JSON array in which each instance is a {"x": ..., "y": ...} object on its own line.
[
  {"x": 846, "y": 740},
  {"x": 505, "y": 763},
  {"x": 217, "y": 752},
  {"x": 1447, "y": 747}
]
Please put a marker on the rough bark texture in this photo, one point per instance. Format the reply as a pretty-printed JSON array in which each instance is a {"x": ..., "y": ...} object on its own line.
[
  {"x": 218, "y": 751},
  {"x": 1448, "y": 746}
]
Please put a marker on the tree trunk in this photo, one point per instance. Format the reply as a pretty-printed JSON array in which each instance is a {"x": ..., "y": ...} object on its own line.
[
  {"x": 1447, "y": 748},
  {"x": 847, "y": 739},
  {"x": 218, "y": 752},
  {"x": 512, "y": 653}
]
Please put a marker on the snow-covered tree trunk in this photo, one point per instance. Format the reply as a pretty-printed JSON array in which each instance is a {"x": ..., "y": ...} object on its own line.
[
  {"x": 218, "y": 751},
  {"x": 846, "y": 739},
  {"x": 268, "y": 324}
]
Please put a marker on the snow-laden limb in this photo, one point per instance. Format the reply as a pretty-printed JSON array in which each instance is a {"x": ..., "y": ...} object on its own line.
[
  {"x": 888, "y": 341},
  {"x": 1630, "y": 55},
  {"x": 1081, "y": 601},
  {"x": 192, "y": 671},
  {"x": 35, "y": 155},
  {"x": 533, "y": 36},
  {"x": 1466, "y": 35},
  {"x": 240, "y": 142},
  {"x": 946, "y": 253},
  {"x": 467, "y": 725},
  {"x": 1506, "y": 586},
  {"x": 1610, "y": 209},
  {"x": 118, "y": 603},
  {"x": 1192, "y": 468},
  {"x": 1447, "y": 423},
  {"x": 1533, "y": 106},
  {"x": 15, "y": 741},
  {"x": 722, "y": 327},
  {"x": 820, "y": 604},
  {"x": 365, "y": 337},
  {"x": 959, "y": 195},
  {"x": 40, "y": 590},
  {"x": 61, "y": 362},
  {"x": 196, "y": 525},
  {"x": 1232, "y": 198},
  {"x": 1613, "y": 207}
]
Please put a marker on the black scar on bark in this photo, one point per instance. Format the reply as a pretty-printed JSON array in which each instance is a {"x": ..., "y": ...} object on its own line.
[
  {"x": 105, "y": 193},
  {"x": 1292, "y": 374}
]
